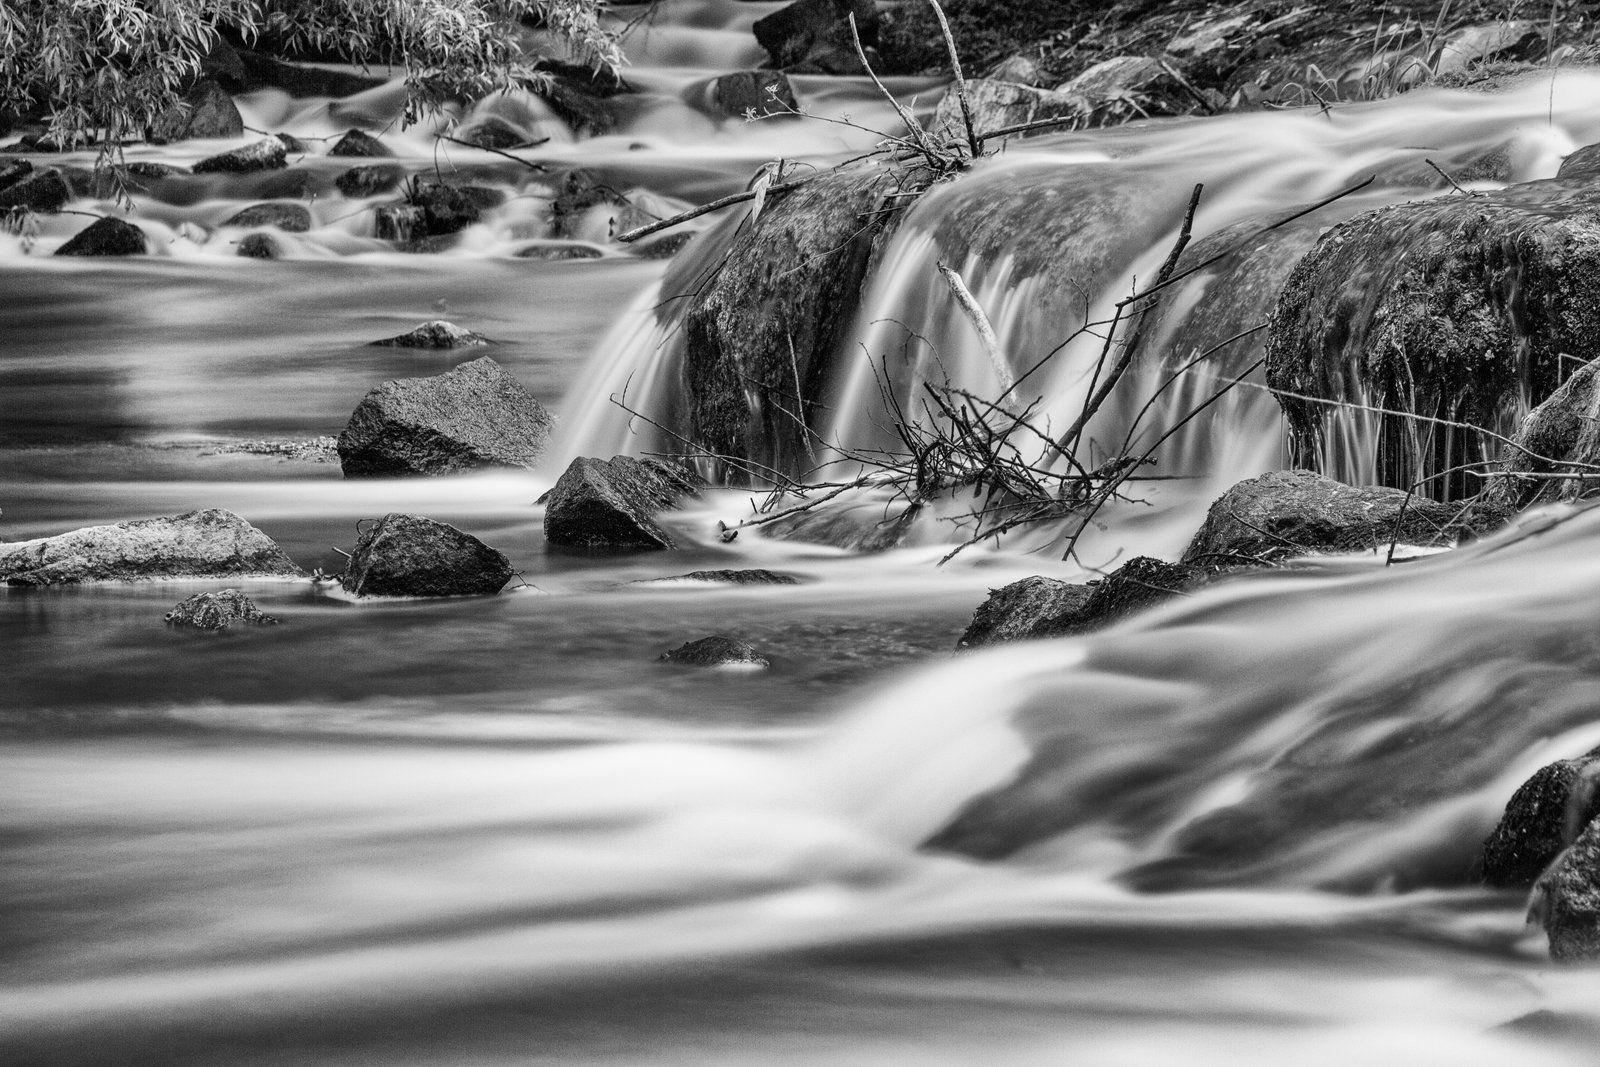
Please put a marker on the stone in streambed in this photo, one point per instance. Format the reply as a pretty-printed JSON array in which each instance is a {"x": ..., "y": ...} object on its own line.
[
  {"x": 743, "y": 93},
  {"x": 259, "y": 246},
  {"x": 436, "y": 333},
  {"x": 493, "y": 131},
  {"x": 1567, "y": 900},
  {"x": 997, "y": 105},
  {"x": 37, "y": 191},
  {"x": 813, "y": 36},
  {"x": 268, "y": 153},
  {"x": 1024, "y": 610},
  {"x": 435, "y": 209},
  {"x": 407, "y": 555},
  {"x": 1295, "y": 513},
  {"x": 613, "y": 503},
  {"x": 199, "y": 544},
  {"x": 753, "y": 576},
  {"x": 287, "y": 216},
  {"x": 474, "y": 417},
  {"x": 359, "y": 143},
  {"x": 1561, "y": 435},
  {"x": 1541, "y": 818},
  {"x": 218, "y": 611},
  {"x": 717, "y": 651},
  {"x": 106, "y": 237},
  {"x": 358, "y": 183},
  {"x": 207, "y": 111}
]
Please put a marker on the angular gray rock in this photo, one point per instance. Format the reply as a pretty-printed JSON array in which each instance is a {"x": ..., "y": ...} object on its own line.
[
  {"x": 474, "y": 417},
  {"x": 716, "y": 651},
  {"x": 1567, "y": 900},
  {"x": 1296, "y": 513},
  {"x": 207, "y": 111},
  {"x": 1561, "y": 435},
  {"x": 285, "y": 215},
  {"x": 997, "y": 105},
  {"x": 218, "y": 611},
  {"x": 1026, "y": 609},
  {"x": 359, "y": 143},
  {"x": 358, "y": 183},
  {"x": 613, "y": 503},
  {"x": 106, "y": 237},
  {"x": 407, "y": 555},
  {"x": 1541, "y": 818},
  {"x": 268, "y": 153},
  {"x": 199, "y": 544},
  {"x": 436, "y": 333}
]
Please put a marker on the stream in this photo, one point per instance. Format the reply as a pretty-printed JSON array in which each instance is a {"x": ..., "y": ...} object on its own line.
[{"x": 498, "y": 831}]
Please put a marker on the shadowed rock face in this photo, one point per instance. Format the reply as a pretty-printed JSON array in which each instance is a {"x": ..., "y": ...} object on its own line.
[
  {"x": 106, "y": 237},
  {"x": 1295, "y": 513},
  {"x": 199, "y": 544},
  {"x": 218, "y": 611},
  {"x": 207, "y": 111},
  {"x": 1542, "y": 818},
  {"x": 813, "y": 36},
  {"x": 1457, "y": 308},
  {"x": 1568, "y": 900},
  {"x": 613, "y": 503},
  {"x": 1561, "y": 435},
  {"x": 407, "y": 555},
  {"x": 476, "y": 416}
]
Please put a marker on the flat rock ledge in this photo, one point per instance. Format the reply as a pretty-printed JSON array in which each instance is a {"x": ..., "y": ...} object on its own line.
[
  {"x": 407, "y": 555},
  {"x": 218, "y": 611},
  {"x": 717, "y": 651},
  {"x": 199, "y": 544}
]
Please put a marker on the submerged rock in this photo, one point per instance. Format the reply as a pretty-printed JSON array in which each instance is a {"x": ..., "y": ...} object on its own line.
[
  {"x": 268, "y": 153},
  {"x": 358, "y": 183},
  {"x": 754, "y": 576},
  {"x": 1296, "y": 513},
  {"x": 613, "y": 503},
  {"x": 494, "y": 131},
  {"x": 207, "y": 111},
  {"x": 407, "y": 555},
  {"x": 1567, "y": 900},
  {"x": 436, "y": 333},
  {"x": 1026, "y": 609},
  {"x": 716, "y": 651},
  {"x": 359, "y": 143},
  {"x": 1542, "y": 817},
  {"x": 199, "y": 544},
  {"x": 473, "y": 417},
  {"x": 106, "y": 237},
  {"x": 813, "y": 36},
  {"x": 1459, "y": 308},
  {"x": 285, "y": 215},
  {"x": 218, "y": 611}
]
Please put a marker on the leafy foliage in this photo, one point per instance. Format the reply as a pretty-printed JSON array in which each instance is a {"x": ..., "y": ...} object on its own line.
[{"x": 106, "y": 69}]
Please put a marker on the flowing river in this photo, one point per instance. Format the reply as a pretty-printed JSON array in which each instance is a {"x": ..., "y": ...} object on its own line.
[{"x": 484, "y": 831}]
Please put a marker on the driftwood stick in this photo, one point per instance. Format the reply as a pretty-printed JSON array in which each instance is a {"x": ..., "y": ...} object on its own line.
[
  {"x": 530, "y": 164},
  {"x": 705, "y": 209},
  {"x": 974, "y": 143},
  {"x": 916, "y": 131},
  {"x": 980, "y": 322}
]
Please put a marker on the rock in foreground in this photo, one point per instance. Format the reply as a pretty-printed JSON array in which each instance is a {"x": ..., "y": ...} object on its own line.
[
  {"x": 436, "y": 334},
  {"x": 1296, "y": 513},
  {"x": 407, "y": 555},
  {"x": 218, "y": 611},
  {"x": 613, "y": 503},
  {"x": 268, "y": 153},
  {"x": 474, "y": 417},
  {"x": 106, "y": 237},
  {"x": 717, "y": 651},
  {"x": 1028, "y": 608},
  {"x": 199, "y": 544},
  {"x": 1542, "y": 817},
  {"x": 1568, "y": 902}
]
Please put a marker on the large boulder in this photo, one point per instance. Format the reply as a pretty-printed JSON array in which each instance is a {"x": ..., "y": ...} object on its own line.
[
  {"x": 106, "y": 237},
  {"x": 218, "y": 611},
  {"x": 813, "y": 36},
  {"x": 207, "y": 111},
  {"x": 1542, "y": 817},
  {"x": 613, "y": 503},
  {"x": 200, "y": 544},
  {"x": 268, "y": 153},
  {"x": 407, "y": 555},
  {"x": 1568, "y": 900},
  {"x": 717, "y": 651},
  {"x": 475, "y": 416},
  {"x": 1026, "y": 609},
  {"x": 1297, "y": 513},
  {"x": 1459, "y": 308}
]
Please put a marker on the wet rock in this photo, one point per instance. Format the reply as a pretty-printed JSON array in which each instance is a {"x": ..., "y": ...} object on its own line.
[
  {"x": 401, "y": 223},
  {"x": 662, "y": 247},
  {"x": 436, "y": 334},
  {"x": 265, "y": 154},
  {"x": 358, "y": 183},
  {"x": 494, "y": 131},
  {"x": 265, "y": 72},
  {"x": 552, "y": 251},
  {"x": 728, "y": 577},
  {"x": 1457, "y": 308},
  {"x": 580, "y": 97},
  {"x": 813, "y": 36},
  {"x": 41, "y": 191},
  {"x": 1585, "y": 160},
  {"x": 997, "y": 105},
  {"x": 1125, "y": 87},
  {"x": 407, "y": 555},
  {"x": 259, "y": 246},
  {"x": 435, "y": 209},
  {"x": 613, "y": 503},
  {"x": 13, "y": 171},
  {"x": 867, "y": 524},
  {"x": 218, "y": 611},
  {"x": 1024, "y": 610},
  {"x": 359, "y": 143},
  {"x": 775, "y": 312},
  {"x": 1542, "y": 817},
  {"x": 1560, "y": 436},
  {"x": 1567, "y": 900},
  {"x": 751, "y": 93},
  {"x": 223, "y": 65},
  {"x": 285, "y": 215},
  {"x": 1137, "y": 585},
  {"x": 199, "y": 544},
  {"x": 717, "y": 651},
  {"x": 207, "y": 111},
  {"x": 579, "y": 191},
  {"x": 1295, "y": 513},
  {"x": 106, "y": 237},
  {"x": 473, "y": 417}
]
